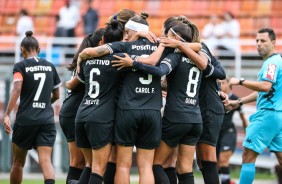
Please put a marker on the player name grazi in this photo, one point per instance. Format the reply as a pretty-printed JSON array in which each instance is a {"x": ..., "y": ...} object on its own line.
[
  {"x": 187, "y": 60},
  {"x": 98, "y": 62},
  {"x": 92, "y": 102},
  {"x": 38, "y": 69},
  {"x": 144, "y": 47},
  {"x": 190, "y": 101},
  {"x": 144, "y": 90},
  {"x": 39, "y": 105}
]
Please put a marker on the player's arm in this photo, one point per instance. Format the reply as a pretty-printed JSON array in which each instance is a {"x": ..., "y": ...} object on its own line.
[
  {"x": 92, "y": 52},
  {"x": 72, "y": 83},
  {"x": 144, "y": 34},
  {"x": 261, "y": 86},
  {"x": 233, "y": 104},
  {"x": 16, "y": 91},
  {"x": 55, "y": 94},
  {"x": 189, "y": 49},
  {"x": 214, "y": 69}
]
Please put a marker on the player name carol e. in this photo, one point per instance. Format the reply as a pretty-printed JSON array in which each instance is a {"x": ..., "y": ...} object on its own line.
[{"x": 144, "y": 90}]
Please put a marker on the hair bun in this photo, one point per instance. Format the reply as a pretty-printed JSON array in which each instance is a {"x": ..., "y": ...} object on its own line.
[
  {"x": 28, "y": 33},
  {"x": 114, "y": 24},
  {"x": 144, "y": 15}
]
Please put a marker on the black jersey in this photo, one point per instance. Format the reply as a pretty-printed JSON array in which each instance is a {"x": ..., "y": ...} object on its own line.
[
  {"x": 39, "y": 79},
  {"x": 183, "y": 85},
  {"x": 101, "y": 85},
  {"x": 72, "y": 100},
  {"x": 139, "y": 90},
  {"x": 227, "y": 121},
  {"x": 209, "y": 98}
]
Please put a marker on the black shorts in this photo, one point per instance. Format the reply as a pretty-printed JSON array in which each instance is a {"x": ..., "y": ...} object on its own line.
[
  {"x": 93, "y": 135},
  {"x": 211, "y": 126},
  {"x": 181, "y": 133},
  {"x": 33, "y": 136},
  {"x": 140, "y": 128},
  {"x": 227, "y": 140},
  {"x": 68, "y": 127}
]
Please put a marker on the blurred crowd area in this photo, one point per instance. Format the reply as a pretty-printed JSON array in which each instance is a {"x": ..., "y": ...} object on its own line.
[{"x": 251, "y": 14}]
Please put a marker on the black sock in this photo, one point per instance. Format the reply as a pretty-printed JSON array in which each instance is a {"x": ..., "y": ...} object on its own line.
[
  {"x": 73, "y": 174},
  {"x": 49, "y": 181},
  {"x": 209, "y": 171},
  {"x": 171, "y": 174},
  {"x": 186, "y": 178},
  {"x": 85, "y": 175},
  {"x": 224, "y": 175},
  {"x": 159, "y": 175},
  {"x": 109, "y": 176},
  {"x": 95, "y": 179}
]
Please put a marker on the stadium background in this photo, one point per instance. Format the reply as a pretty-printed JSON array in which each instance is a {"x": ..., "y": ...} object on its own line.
[{"x": 251, "y": 14}]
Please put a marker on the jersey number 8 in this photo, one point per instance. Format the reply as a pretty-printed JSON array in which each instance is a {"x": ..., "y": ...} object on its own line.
[{"x": 193, "y": 80}]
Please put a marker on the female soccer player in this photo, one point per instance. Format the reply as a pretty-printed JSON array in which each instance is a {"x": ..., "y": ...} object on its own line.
[
  {"x": 182, "y": 122},
  {"x": 94, "y": 127},
  {"x": 35, "y": 80},
  {"x": 227, "y": 136},
  {"x": 69, "y": 109}
]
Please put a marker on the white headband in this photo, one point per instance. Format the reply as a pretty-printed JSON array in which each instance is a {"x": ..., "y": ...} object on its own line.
[{"x": 135, "y": 26}]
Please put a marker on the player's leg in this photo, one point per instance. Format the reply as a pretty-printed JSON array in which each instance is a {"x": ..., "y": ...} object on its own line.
[
  {"x": 45, "y": 162},
  {"x": 248, "y": 169},
  {"x": 223, "y": 164},
  {"x": 226, "y": 146},
  {"x": 124, "y": 161},
  {"x": 185, "y": 163},
  {"x": 145, "y": 158},
  {"x": 100, "y": 159},
  {"x": 19, "y": 156},
  {"x": 109, "y": 176},
  {"x": 85, "y": 175},
  {"x": 170, "y": 167},
  {"x": 76, "y": 162},
  {"x": 206, "y": 147},
  {"x": 44, "y": 143},
  {"x": 161, "y": 155},
  {"x": 76, "y": 157}
]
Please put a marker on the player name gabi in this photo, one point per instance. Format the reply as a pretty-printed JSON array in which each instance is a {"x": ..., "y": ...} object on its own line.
[
  {"x": 144, "y": 47},
  {"x": 187, "y": 60},
  {"x": 190, "y": 101},
  {"x": 38, "y": 68},
  {"x": 39, "y": 105},
  {"x": 144, "y": 90},
  {"x": 98, "y": 62}
]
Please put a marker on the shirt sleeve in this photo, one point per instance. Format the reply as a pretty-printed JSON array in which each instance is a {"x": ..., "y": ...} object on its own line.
[
  {"x": 270, "y": 72},
  {"x": 118, "y": 47},
  {"x": 18, "y": 72}
]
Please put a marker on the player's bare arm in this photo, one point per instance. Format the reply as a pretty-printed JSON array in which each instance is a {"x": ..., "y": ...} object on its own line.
[
  {"x": 90, "y": 53},
  {"x": 12, "y": 102},
  {"x": 144, "y": 34},
  {"x": 55, "y": 94},
  {"x": 73, "y": 83}
]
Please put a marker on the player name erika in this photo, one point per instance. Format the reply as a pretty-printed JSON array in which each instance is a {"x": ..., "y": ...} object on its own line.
[
  {"x": 98, "y": 62},
  {"x": 144, "y": 90},
  {"x": 144, "y": 47},
  {"x": 92, "y": 102},
  {"x": 38, "y": 68},
  {"x": 39, "y": 105},
  {"x": 190, "y": 101}
]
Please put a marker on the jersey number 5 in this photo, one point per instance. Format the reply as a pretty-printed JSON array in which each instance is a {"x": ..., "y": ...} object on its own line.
[
  {"x": 41, "y": 77},
  {"x": 193, "y": 80},
  {"x": 94, "y": 84}
]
